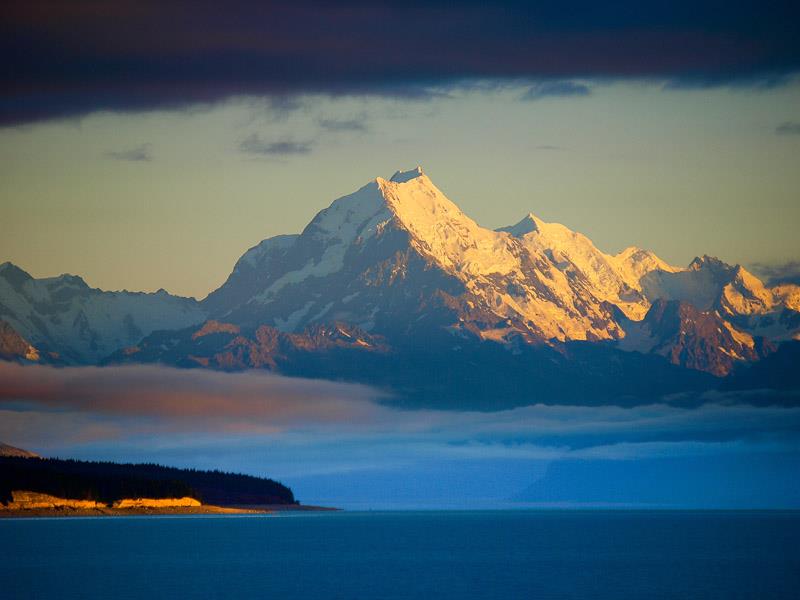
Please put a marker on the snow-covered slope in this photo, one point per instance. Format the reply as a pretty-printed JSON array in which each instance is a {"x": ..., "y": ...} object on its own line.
[
  {"x": 397, "y": 257},
  {"x": 734, "y": 293},
  {"x": 251, "y": 273},
  {"x": 615, "y": 279},
  {"x": 74, "y": 323},
  {"x": 357, "y": 259}
]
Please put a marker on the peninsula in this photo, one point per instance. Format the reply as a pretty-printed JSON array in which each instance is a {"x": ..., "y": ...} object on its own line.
[{"x": 35, "y": 486}]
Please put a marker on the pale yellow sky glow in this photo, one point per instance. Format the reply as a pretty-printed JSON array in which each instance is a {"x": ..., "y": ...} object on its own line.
[{"x": 680, "y": 172}]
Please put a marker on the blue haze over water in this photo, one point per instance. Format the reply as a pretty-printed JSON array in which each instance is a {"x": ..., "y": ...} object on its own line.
[{"x": 459, "y": 554}]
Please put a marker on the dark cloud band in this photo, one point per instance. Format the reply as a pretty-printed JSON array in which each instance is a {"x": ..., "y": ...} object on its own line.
[{"x": 65, "y": 59}]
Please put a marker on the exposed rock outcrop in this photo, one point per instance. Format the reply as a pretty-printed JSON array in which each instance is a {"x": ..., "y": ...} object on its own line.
[
  {"x": 155, "y": 502},
  {"x": 14, "y": 347},
  {"x": 25, "y": 500}
]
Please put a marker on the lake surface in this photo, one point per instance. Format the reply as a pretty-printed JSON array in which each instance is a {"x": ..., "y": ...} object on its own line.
[{"x": 509, "y": 555}]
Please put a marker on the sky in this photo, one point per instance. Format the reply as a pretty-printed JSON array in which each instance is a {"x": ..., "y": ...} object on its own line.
[
  {"x": 142, "y": 149},
  {"x": 148, "y": 145}
]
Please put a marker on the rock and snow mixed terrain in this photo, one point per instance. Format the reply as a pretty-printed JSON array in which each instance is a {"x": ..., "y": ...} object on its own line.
[
  {"x": 398, "y": 252},
  {"x": 396, "y": 270},
  {"x": 66, "y": 321}
]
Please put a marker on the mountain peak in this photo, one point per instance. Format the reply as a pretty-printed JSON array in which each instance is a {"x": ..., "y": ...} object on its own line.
[
  {"x": 404, "y": 176},
  {"x": 528, "y": 224},
  {"x": 9, "y": 267},
  {"x": 13, "y": 274},
  {"x": 709, "y": 262},
  {"x": 67, "y": 279}
]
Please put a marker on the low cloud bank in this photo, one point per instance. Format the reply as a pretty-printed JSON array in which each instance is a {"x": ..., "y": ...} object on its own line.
[
  {"x": 48, "y": 407},
  {"x": 185, "y": 400},
  {"x": 336, "y": 444}
]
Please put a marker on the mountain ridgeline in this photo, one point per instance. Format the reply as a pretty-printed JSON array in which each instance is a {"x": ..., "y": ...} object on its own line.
[{"x": 394, "y": 286}]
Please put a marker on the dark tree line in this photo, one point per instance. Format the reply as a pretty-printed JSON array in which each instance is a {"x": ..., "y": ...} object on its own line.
[{"x": 109, "y": 482}]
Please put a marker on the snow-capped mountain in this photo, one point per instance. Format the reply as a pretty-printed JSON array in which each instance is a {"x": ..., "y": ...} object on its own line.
[
  {"x": 383, "y": 257},
  {"x": 66, "y": 321},
  {"x": 394, "y": 278},
  {"x": 734, "y": 293},
  {"x": 398, "y": 256}
]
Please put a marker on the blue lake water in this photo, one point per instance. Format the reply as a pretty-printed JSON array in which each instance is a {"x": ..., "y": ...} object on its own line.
[{"x": 491, "y": 554}]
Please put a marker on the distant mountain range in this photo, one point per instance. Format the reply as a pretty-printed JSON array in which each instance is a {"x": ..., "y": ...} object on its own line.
[
  {"x": 393, "y": 285},
  {"x": 63, "y": 320}
]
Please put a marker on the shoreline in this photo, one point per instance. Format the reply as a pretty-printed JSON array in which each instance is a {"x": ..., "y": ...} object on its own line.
[
  {"x": 205, "y": 509},
  {"x": 33, "y": 513},
  {"x": 286, "y": 507}
]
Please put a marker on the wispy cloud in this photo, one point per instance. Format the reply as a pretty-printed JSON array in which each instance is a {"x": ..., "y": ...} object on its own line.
[
  {"x": 255, "y": 144},
  {"x": 788, "y": 128},
  {"x": 358, "y": 124},
  {"x": 775, "y": 273},
  {"x": 164, "y": 399},
  {"x": 142, "y": 153},
  {"x": 557, "y": 89}
]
